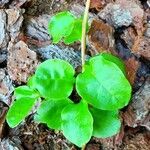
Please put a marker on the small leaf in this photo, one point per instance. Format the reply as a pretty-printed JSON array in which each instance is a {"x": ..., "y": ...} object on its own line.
[
  {"x": 76, "y": 33},
  {"x": 103, "y": 84},
  {"x": 61, "y": 25},
  {"x": 19, "y": 110},
  {"x": 25, "y": 91},
  {"x": 115, "y": 60},
  {"x": 106, "y": 123},
  {"x": 77, "y": 123},
  {"x": 54, "y": 79},
  {"x": 50, "y": 112}
]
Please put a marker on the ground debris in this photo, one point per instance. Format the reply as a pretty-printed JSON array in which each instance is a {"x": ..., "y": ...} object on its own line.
[
  {"x": 100, "y": 37},
  {"x": 99, "y": 4},
  {"x": 21, "y": 62},
  {"x": 132, "y": 66},
  {"x": 6, "y": 87},
  {"x": 137, "y": 113}
]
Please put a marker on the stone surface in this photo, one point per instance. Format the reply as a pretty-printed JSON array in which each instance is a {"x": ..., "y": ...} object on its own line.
[
  {"x": 4, "y": 38},
  {"x": 122, "y": 13},
  {"x": 37, "y": 27},
  {"x": 21, "y": 61},
  {"x": 3, "y": 56},
  {"x": 18, "y": 3},
  {"x": 3, "y": 2},
  {"x": 10, "y": 25},
  {"x": 137, "y": 113},
  {"x": 144, "y": 48},
  {"x": 7, "y": 144},
  {"x": 53, "y": 51},
  {"x": 6, "y": 87}
]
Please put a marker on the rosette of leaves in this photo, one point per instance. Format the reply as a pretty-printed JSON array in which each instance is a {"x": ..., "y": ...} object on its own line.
[
  {"x": 65, "y": 26},
  {"x": 103, "y": 88}
]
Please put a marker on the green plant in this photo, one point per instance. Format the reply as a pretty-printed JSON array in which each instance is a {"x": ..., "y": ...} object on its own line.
[{"x": 102, "y": 86}]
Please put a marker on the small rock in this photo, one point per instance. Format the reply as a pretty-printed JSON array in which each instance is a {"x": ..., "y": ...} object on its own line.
[
  {"x": 3, "y": 2},
  {"x": 7, "y": 144},
  {"x": 18, "y": 3},
  {"x": 37, "y": 27},
  {"x": 3, "y": 56},
  {"x": 53, "y": 51},
  {"x": 3, "y": 35},
  {"x": 137, "y": 113},
  {"x": 123, "y": 13},
  {"x": 14, "y": 21},
  {"x": 144, "y": 48},
  {"x": 21, "y": 62},
  {"x": 129, "y": 36},
  {"x": 6, "y": 87},
  {"x": 147, "y": 32},
  {"x": 10, "y": 24}
]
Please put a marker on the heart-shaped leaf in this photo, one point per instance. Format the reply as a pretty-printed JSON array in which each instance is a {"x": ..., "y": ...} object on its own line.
[
  {"x": 25, "y": 91},
  {"x": 76, "y": 33},
  {"x": 50, "y": 112},
  {"x": 103, "y": 84},
  {"x": 106, "y": 123},
  {"x": 54, "y": 79},
  {"x": 61, "y": 25},
  {"x": 19, "y": 110},
  {"x": 77, "y": 123}
]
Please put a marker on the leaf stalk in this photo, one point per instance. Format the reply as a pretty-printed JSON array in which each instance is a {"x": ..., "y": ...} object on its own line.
[{"x": 84, "y": 26}]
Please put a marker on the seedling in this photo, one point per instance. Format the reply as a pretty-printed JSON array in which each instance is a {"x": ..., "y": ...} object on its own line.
[{"x": 102, "y": 86}]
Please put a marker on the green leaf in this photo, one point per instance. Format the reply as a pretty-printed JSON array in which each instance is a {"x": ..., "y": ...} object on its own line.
[
  {"x": 32, "y": 82},
  {"x": 103, "y": 85},
  {"x": 55, "y": 79},
  {"x": 25, "y": 91},
  {"x": 75, "y": 34},
  {"x": 19, "y": 110},
  {"x": 61, "y": 25},
  {"x": 115, "y": 60},
  {"x": 50, "y": 113},
  {"x": 106, "y": 123},
  {"x": 77, "y": 123}
]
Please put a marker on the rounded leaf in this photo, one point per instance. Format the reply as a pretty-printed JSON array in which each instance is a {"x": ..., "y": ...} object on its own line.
[
  {"x": 19, "y": 110},
  {"x": 103, "y": 84},
  {"x": 54, "y": 79},
  {"x": 50, "y": 112},
  {"x": 106, "y": 123},
  {"x": 61, "y": 25},
  {"x": 115, "y": 60},
  {"x": 25, "y": 91},
  {"x": 77, "y": 123}
]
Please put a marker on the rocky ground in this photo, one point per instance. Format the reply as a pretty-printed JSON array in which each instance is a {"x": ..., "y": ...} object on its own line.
[{"x": 120, "y": 27}]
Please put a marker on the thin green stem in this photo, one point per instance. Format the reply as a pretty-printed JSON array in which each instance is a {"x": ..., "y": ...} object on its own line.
[{"x": 83, "y": 40}]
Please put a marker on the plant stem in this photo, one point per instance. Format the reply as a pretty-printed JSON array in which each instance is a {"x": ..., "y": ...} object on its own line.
[
  {"x": 83, "y": 40},
  {"x": 83, "y": 147}
]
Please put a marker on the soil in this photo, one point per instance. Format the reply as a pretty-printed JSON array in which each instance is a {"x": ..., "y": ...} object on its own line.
[{"x": 120, "y": 27}]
